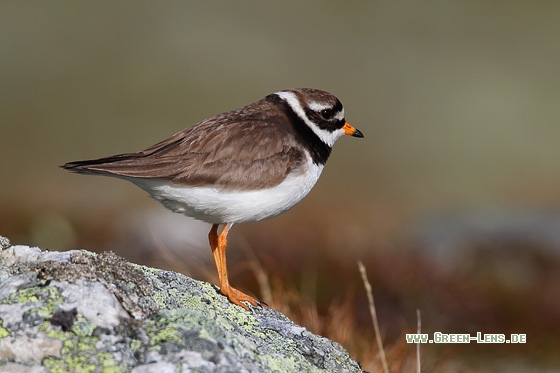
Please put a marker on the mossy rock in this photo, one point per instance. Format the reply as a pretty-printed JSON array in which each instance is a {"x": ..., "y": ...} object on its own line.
[{"x": 78, "y": 311}]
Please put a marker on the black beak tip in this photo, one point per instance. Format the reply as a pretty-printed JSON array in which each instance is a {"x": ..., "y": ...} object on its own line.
[{"x": 358, "y": 133}]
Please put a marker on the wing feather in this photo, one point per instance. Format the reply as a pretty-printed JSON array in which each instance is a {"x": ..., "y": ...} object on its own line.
[{"x": 244, "y": 149}]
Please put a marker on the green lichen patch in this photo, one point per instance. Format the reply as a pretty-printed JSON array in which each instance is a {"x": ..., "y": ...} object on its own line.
[
  {"x": 234, "y": 315},
  {"x": 82, "y": 327},
  {"x": 3, "y": 331},
  {"x": 55, "y": 365},
  {"x": 56, "y": 333},
  {"x": 135, "y": 345},
  {"x": 181, "y": 330},
  {"x": 42, "y": 300},
  {"x": 281, "y": 364},
  {"x": 164, "y": 332},
  {"x": 82, "y": 353},
  {"x": 78, "y": 364}
]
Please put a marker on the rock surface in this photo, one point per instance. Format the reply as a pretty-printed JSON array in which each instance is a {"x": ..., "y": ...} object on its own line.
[{"x": 78, "y": 311}]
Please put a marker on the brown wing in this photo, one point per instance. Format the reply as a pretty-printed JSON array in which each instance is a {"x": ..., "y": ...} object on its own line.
[{"x": 249, "y": 148}]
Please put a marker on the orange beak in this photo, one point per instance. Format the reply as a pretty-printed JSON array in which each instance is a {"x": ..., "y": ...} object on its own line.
[{"x": 351, "y": 131}]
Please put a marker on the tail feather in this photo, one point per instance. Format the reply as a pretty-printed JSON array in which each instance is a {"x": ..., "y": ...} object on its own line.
[
  {"x": 146, "y": 163},
  {"x": 101, "y": 166}
]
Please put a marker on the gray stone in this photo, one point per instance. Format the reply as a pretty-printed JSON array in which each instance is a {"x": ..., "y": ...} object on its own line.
[
  {"x": 4, "y": 243},
  {"x": 79, "y": 311}
]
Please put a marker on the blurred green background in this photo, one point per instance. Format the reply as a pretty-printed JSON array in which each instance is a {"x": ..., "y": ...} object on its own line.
[{"x": 452, "y": 199}]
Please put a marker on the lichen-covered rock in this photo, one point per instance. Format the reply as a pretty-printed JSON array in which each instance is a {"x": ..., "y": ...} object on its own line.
[{"x": 82, "y": 312}]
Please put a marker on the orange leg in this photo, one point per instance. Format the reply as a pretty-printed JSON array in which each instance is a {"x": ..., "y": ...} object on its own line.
[{"x": 218, "y": 244}]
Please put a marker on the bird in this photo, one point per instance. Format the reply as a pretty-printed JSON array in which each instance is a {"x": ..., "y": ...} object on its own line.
[{"x": 245, "y": 165}]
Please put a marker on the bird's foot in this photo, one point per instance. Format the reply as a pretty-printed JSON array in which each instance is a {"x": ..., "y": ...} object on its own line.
[{"x": 237, "y": 297}]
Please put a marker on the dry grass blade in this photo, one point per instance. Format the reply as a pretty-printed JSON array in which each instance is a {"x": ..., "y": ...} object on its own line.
[
  {"x": 369, "y": 293},
  {"x": 418, "y": 331},
  {"x": 259, "y": 272}
]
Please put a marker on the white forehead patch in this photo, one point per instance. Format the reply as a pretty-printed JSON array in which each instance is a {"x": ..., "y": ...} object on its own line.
[{"x": 327, "y": 137}]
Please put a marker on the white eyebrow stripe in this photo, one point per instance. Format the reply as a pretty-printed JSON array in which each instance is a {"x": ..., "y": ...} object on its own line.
[{"x": 315, "y": 106}]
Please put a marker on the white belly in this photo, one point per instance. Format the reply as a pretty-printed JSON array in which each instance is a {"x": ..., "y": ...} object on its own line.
[{"x": 217, "y": 206}]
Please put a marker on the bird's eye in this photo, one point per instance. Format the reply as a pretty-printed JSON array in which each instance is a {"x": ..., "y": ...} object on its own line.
[{"x": 327, "y": 114}]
